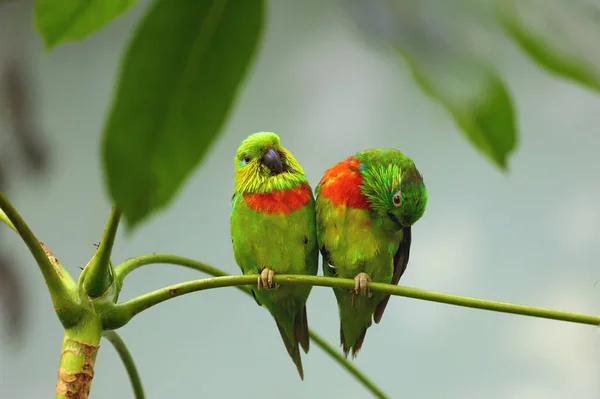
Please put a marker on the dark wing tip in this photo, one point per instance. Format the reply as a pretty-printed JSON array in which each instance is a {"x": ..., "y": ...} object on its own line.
[
  {"x": 400, "y": 265},
  {"x": 380, "y": 309}
]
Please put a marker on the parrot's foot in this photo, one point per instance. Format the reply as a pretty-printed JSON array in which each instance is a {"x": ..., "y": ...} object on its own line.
[
  {"x": 265, "y": 280},
  {"x": 361, "y": 284}
]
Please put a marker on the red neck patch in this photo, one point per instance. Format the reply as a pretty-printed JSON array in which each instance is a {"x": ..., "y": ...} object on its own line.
[
  {"x": 282, "y": 201},
  {"x": 341, "y": 184}
]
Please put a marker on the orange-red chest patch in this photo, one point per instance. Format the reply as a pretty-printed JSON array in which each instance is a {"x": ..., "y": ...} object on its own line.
[
  {"x": 279, "y": 201},
  {"x": 341, "y": 184}
]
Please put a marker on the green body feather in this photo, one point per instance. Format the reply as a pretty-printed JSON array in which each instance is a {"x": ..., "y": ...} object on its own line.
[
  {"x": 284, "y": 242},
  {"x": 373, "y": 240}
]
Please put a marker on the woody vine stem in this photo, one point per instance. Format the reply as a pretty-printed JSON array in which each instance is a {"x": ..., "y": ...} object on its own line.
[{"x": 88, "y": 309}]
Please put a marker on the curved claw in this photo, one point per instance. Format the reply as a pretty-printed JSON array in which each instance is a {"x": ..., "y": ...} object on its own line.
[
  {"x": 265, "y": 280},
  {"x": 361, "y": 284}
]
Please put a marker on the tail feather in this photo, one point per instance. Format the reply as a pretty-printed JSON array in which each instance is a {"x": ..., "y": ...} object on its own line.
[
  {"x": 354, "y": 347},
  {"x": 293, "y": 349},
  {"x": 301, "y": 329}
]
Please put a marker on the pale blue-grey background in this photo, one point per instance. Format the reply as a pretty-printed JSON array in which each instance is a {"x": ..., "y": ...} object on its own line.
[{"x": 529, "y": 236}]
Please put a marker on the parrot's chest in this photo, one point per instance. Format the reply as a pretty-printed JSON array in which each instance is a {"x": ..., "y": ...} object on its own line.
[
  {"x": 358, "y": 244},
  {"x": 275, "y": 240}
]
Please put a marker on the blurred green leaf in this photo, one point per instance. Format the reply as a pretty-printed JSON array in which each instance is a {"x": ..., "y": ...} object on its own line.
[
  {"x": 560, "y": 35},
  {"x": 178, "y": 82},
  {"x": 486, "y": 117},
  {"x": 435, "y": 38},
  {"x": 60, "y": 21}
]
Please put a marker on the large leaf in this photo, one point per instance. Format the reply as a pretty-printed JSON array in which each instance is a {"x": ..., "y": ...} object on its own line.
[
  {"x": 485, "y": 115},
  {"x": 561, "y": 35},
  {"x": 178, "y": 82},
  {"x": 433, "y": 37},
  {"x": 61, "y": 21}
]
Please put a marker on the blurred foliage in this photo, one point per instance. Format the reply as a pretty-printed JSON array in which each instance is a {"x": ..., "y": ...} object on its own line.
[
  {"x": 189, "y": 57},
  {"x": 561, "y": 35},
  {"x": 27, "y": 142},
  {"x": 434, "y": 39},
  {"x": 63, "y": 20}
]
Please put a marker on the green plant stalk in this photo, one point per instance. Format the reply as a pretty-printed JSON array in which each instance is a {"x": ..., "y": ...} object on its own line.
[
  {"x": 348, "y": 366},
  {"x": 143, "y": 302},
  {"x": 78, "y": 357},
  {"x": 127, "y": 359},
  {"x": 132, "y": 264},
  {"x": 118, "y": 315},
  {"x": 6, "y": 220},
  {"x": 60, "y": 284},
  {"x": 99, "y": 276}
]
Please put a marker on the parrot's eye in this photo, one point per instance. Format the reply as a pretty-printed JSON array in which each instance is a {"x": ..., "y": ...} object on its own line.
[
  {"x": 397, "y": 199},
  {"x": 246, "y": 158}
]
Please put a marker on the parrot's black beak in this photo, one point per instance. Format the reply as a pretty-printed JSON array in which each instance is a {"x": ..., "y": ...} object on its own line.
[{"x": 272, "y": 161}]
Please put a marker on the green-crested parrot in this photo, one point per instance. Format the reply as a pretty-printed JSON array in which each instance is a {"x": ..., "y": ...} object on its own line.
[{"x": 365, "y": 208}]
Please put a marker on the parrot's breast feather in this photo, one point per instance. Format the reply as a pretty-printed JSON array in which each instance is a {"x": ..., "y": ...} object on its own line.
[
  {"x": 280, "y": 201},
  {"x": 341, "y": 184}
]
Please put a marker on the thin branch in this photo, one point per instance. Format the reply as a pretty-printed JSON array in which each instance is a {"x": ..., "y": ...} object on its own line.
[
  {"x": 99, "y": 276},
  {"x": 119, "y": 315},
  {"x": 134, "y": 306},
  {"x": 60, "y": 284},
  {"x": 132, "y": 264},
  {"x": 347, "y": 365},
  {"x": 127, "y": 359}
]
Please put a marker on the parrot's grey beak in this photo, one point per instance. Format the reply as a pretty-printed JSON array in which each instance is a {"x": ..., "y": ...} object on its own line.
[{"x": 272, "y": 161}]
